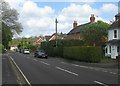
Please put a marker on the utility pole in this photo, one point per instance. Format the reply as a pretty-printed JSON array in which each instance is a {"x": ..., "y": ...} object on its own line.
[{"x": 56, "y": 30}]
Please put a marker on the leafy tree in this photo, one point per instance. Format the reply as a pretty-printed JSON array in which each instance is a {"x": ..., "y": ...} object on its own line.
[
  {"x": 10, "y": 24},
  {"x": 95, "y": 34},
  {"x": 6, "y": 35}
]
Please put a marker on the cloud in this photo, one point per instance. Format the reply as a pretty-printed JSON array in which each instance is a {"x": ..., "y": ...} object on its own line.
[
  {"x": 35, "y": 20},
  {"x": 107, "y": 8},
  {"x": 41, "y": 20},
  {"x": 31, "y": 8},
  {"x": 77, "y": 12}
]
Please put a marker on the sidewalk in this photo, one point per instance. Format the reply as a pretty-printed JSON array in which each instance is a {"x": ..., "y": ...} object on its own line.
[
  {"x": 105, "y": 65},
  {"x": 113, "y": 65}
]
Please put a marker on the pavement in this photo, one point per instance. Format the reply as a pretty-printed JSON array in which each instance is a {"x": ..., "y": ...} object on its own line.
[{"x": 101, "y": 65}]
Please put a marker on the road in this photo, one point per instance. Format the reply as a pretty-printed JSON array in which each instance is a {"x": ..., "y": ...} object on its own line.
[{"x": 21, "y": 68}]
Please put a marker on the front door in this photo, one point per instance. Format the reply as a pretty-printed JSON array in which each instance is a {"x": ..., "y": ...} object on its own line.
[{"x": 114, "y": 52}]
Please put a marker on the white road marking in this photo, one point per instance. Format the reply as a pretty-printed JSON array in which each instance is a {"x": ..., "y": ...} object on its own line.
[
  {"x": 92, "y": 68},
  {"x": 112, "y": 72},
  {"x": 75, "y": 65},
  {"x": 96, "y": 69},
  {"x": 35, "y": 59},
  {"x": 44, "y": 63},
  {"x": 63, "y": 63},
  {"x": 100, "y": 83},
  {"x": 104, "y": 71},
  {"x": 79, "y": 66},
  {"x": 67, "y": 71},
  {"x": 20, "y": 71}
]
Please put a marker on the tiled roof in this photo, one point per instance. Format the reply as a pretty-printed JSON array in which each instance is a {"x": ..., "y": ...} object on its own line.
[
  {"x": 116, "y": 24},
  {"x": 78, "y": 28},
  {"x": 114, "y": 41},
  {"x": 47, "y": 38}
]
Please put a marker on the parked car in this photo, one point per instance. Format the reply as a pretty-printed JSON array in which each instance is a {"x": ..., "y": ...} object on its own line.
[
  {"x": 26, "y": 51},
  {"x": 40, "y": 53}
]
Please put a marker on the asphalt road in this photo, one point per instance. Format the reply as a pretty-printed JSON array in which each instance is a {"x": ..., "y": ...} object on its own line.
[{"x": 21, "y": 68}]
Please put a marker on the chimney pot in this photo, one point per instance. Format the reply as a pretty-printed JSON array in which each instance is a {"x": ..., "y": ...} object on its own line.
[
  {"x": 117, "y": 17},
  {"x": 92, "y": 18},
  {"x": 75, "y": 24}
]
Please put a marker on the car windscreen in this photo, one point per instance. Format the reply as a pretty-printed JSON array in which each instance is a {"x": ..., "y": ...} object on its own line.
[{"x": 41, "y": 52}]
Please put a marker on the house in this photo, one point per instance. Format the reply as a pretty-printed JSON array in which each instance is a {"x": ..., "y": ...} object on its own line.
[
  {"x": 53, "y": 37},
  {"x": 59, "y": 36},
  {"x": 47, "y": 38},
  {"x": 39, "y": 40},
  {"x": 75, "y": 32},
  {"x": 113, "y": 45}
]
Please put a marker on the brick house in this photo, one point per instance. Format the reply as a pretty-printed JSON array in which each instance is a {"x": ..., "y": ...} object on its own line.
[
  {"x": 39, "y": 40},
  {"x": 75, "y": 32},
  {"x": 59, "y": 36}
]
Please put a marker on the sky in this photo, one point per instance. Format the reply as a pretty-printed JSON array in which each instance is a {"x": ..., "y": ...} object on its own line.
[{"x": 38, "y": 16}]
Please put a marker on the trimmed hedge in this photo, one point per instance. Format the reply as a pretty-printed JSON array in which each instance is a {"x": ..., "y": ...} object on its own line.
[
  {"x": 51, "y": 50},
  {"x": 87, "y": 54},
  {"x": 77, "y": 52}
]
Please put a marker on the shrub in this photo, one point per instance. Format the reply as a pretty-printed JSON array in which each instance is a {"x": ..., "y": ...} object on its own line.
[
  {"x": 87, "y": 54},
  {"x": 52, "y": 50}
]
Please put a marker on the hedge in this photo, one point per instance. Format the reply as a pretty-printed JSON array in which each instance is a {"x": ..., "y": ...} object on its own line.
[
  {"x": 51, "y": 49},
  {"x": 87, "y": 54},
  {"x": 77, "y": 52}
]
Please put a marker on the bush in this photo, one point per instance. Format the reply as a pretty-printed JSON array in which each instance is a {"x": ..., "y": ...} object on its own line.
[
  {"x": 77, "y": 52},
  {"x": 87, "y": 54},
  {"x": 52, "y": 50}
]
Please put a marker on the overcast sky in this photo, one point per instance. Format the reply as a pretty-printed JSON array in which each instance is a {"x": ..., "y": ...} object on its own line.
[{"x": 38, "y": 17}]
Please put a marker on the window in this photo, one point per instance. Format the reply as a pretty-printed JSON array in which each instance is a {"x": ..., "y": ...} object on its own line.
[
  {"x": 109, "y": 49},
  {"x": 115, "y": 33},
  {"x": 105, "y": 50},
  {"x": 118, "y": 49}
]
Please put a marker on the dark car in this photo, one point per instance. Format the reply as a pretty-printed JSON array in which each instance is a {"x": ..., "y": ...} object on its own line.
[{"x": 40, "y": 54}]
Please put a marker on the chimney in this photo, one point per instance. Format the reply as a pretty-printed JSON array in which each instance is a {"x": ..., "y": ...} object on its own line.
[
  {"x": 92, "y": 18},
  {"x": 75, "y": 24},
  {"x": 117, "y": 17}
]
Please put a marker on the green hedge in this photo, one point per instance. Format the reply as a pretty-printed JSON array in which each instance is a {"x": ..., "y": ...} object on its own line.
[
  {"x": 87, "y": 54},
  {"x": 64, "y": 49},
  {"x": 51, "y": 50}
]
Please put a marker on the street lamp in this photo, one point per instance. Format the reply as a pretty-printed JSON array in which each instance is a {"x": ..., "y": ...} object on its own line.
[{"x": 56, "y": 30}]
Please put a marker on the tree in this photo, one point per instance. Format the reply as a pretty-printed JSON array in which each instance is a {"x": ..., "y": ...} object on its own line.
[
  {"x": 95, "y": 34},
  {"x": 6, "y": 35},
  {"x": 10, "y": 24}
]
